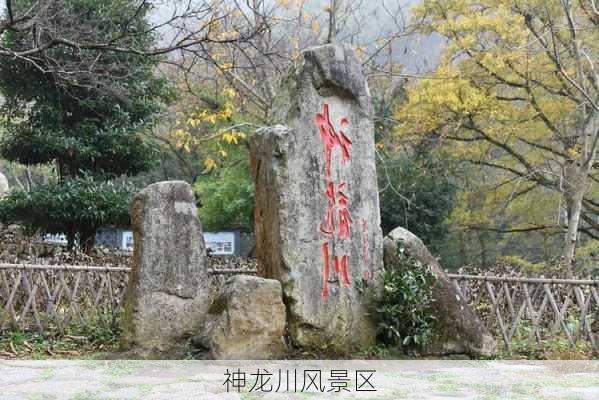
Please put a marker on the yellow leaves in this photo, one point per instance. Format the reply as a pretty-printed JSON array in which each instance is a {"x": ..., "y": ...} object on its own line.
[
  {"x": 574, "y": 152},
  {"x": 361, "y": 52},
  {"x": 226, "y": 66},
  {"x": 315, "y": 26},
  {"x": 434, "y": 102},
  {"x": 209, "y": 164},
  {"x": 380, "y": 145},
  {"x": 289, "y": 4},
  {"x": 204, "y": 131},
  {"x": 468, "y": 23},
  {"x": 214, "y": 25},
  {"x": 211, "y": 117},
  {"x": 228, "y": 35},
  {"x": 230, "y": 93},
  {"x": 183, "y": 140},
  {"x": 232, "y": 137}
]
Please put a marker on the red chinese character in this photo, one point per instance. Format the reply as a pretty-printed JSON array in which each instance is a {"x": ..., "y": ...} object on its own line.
[
  {"x": 331, "y": 138},
  {"x": 340, "y": 267},
  {"x": 344, "y": 218},
  {"x": 329, "y": 227},
  {"x": 337, "y": 200}
]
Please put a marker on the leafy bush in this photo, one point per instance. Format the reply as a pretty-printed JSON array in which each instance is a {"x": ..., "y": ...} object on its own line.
[
  {"x": 404, "y": 308},
  {"x": 226, "y": 196},
  {"x": 69, "y": 206}
]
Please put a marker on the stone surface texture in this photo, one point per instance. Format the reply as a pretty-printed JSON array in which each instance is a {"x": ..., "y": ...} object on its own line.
[
  {"x": 247, "y": 320},
  {"x": 458, "y": 328},
  {"x": 295, "y": 216},
  {"x": 168, "y": 294}
]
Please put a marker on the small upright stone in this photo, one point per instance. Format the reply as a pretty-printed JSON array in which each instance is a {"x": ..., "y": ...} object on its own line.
[
  {"x": 317, "y": 205},
  {"x": 3, "y": 185},
  {"x": 168, "y": 293}
]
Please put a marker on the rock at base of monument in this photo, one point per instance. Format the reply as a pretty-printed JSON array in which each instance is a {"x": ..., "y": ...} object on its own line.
[
  {"x": 458, "y": 329},
  {"x": 247, "y": 320},
  {"x": 168, "y": 293}
]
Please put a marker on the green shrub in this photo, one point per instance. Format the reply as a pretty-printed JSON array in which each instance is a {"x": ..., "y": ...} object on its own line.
[
  {"x": 404, "y": 308},
  {"x": 226, "y": 196},
  {"x": 69, "y": 206}
]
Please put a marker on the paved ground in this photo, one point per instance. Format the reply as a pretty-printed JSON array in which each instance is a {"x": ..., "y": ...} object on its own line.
[{"x": 185, "y": 380}]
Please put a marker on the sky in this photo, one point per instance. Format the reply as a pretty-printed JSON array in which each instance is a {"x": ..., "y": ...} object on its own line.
[{"x": 417, "y": 54}]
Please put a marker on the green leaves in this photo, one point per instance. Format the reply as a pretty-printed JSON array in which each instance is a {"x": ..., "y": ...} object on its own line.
[
  {"x": 417, "y": 192},
  {"x": 227, "y": 195},
  {"x": 403, "y": 310},
  {"x": 92, "y": 122},
  {"x": 60, "y": 207}
]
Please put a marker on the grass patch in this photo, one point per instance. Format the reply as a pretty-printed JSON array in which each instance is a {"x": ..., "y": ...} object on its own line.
[{"x": 79, "y": 341}]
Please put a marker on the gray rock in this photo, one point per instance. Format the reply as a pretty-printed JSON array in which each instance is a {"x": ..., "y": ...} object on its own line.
[
  {"x": 247, "y": 320},
  {"x": 458, "y": 329},
  {"x": 168, "y": 294},
  {"x": 293, "y": 172},
  {"x": 3, "y": 185}
]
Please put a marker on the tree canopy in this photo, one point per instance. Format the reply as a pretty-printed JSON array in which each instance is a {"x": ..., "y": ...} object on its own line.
[{"x": 516, "y": 91}]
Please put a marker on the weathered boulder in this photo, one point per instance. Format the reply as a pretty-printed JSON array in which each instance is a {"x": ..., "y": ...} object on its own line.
[
  {"x": 168, "y": 294},
  {"x": 3, "y": 185},
  {"x": 317, "y": 206},
  {"x": 247, "y": 320},
  {"x": 458, "y": 329}
]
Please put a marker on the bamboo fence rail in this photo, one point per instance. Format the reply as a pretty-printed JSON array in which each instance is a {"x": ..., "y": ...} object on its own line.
[
  {"x": 50, "y": 297},
  {"x": 517, "y": 310},
  {"x": 37, "y": 297},
  {"x": 535, "y": 311}
]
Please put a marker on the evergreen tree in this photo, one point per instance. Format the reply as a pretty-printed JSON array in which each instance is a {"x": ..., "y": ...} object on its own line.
[{"x": 89, "y": 131}]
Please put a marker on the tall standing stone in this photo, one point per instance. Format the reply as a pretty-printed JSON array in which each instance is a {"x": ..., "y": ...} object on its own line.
[
  {"x": 317, "y": 206},
  {"x": 167, "y": 297},
  {"x": 3, "y": 185}
]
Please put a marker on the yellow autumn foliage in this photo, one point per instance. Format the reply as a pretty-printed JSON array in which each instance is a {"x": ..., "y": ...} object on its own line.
[{"x": 497, "y": 101}]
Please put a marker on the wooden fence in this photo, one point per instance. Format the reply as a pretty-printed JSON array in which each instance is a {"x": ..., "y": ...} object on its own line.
[
  {"x": 50, "y": 297},
  {"x": 534, "y": 311},
  {"x": 36, "y": 297},
  {"x": 518, "y": 310}
]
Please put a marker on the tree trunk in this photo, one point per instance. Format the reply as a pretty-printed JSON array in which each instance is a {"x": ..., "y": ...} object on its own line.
[
  {"x": 574, "y": 209},
  {"x": 334, "y": 7},
  {"x": 483, "y": 249},
  {"x": 463, "y": 254},
  {"x": 71, "y": 234},
  {"x": 574, "y": 190},
  {"x": 88, "y": 239}
]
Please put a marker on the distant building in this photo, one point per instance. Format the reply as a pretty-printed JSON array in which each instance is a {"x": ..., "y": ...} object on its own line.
[
  {"x": 114, "y": 238},
  {"x": 223, "y": 243},
  {"x": 55, "y": 239}
]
